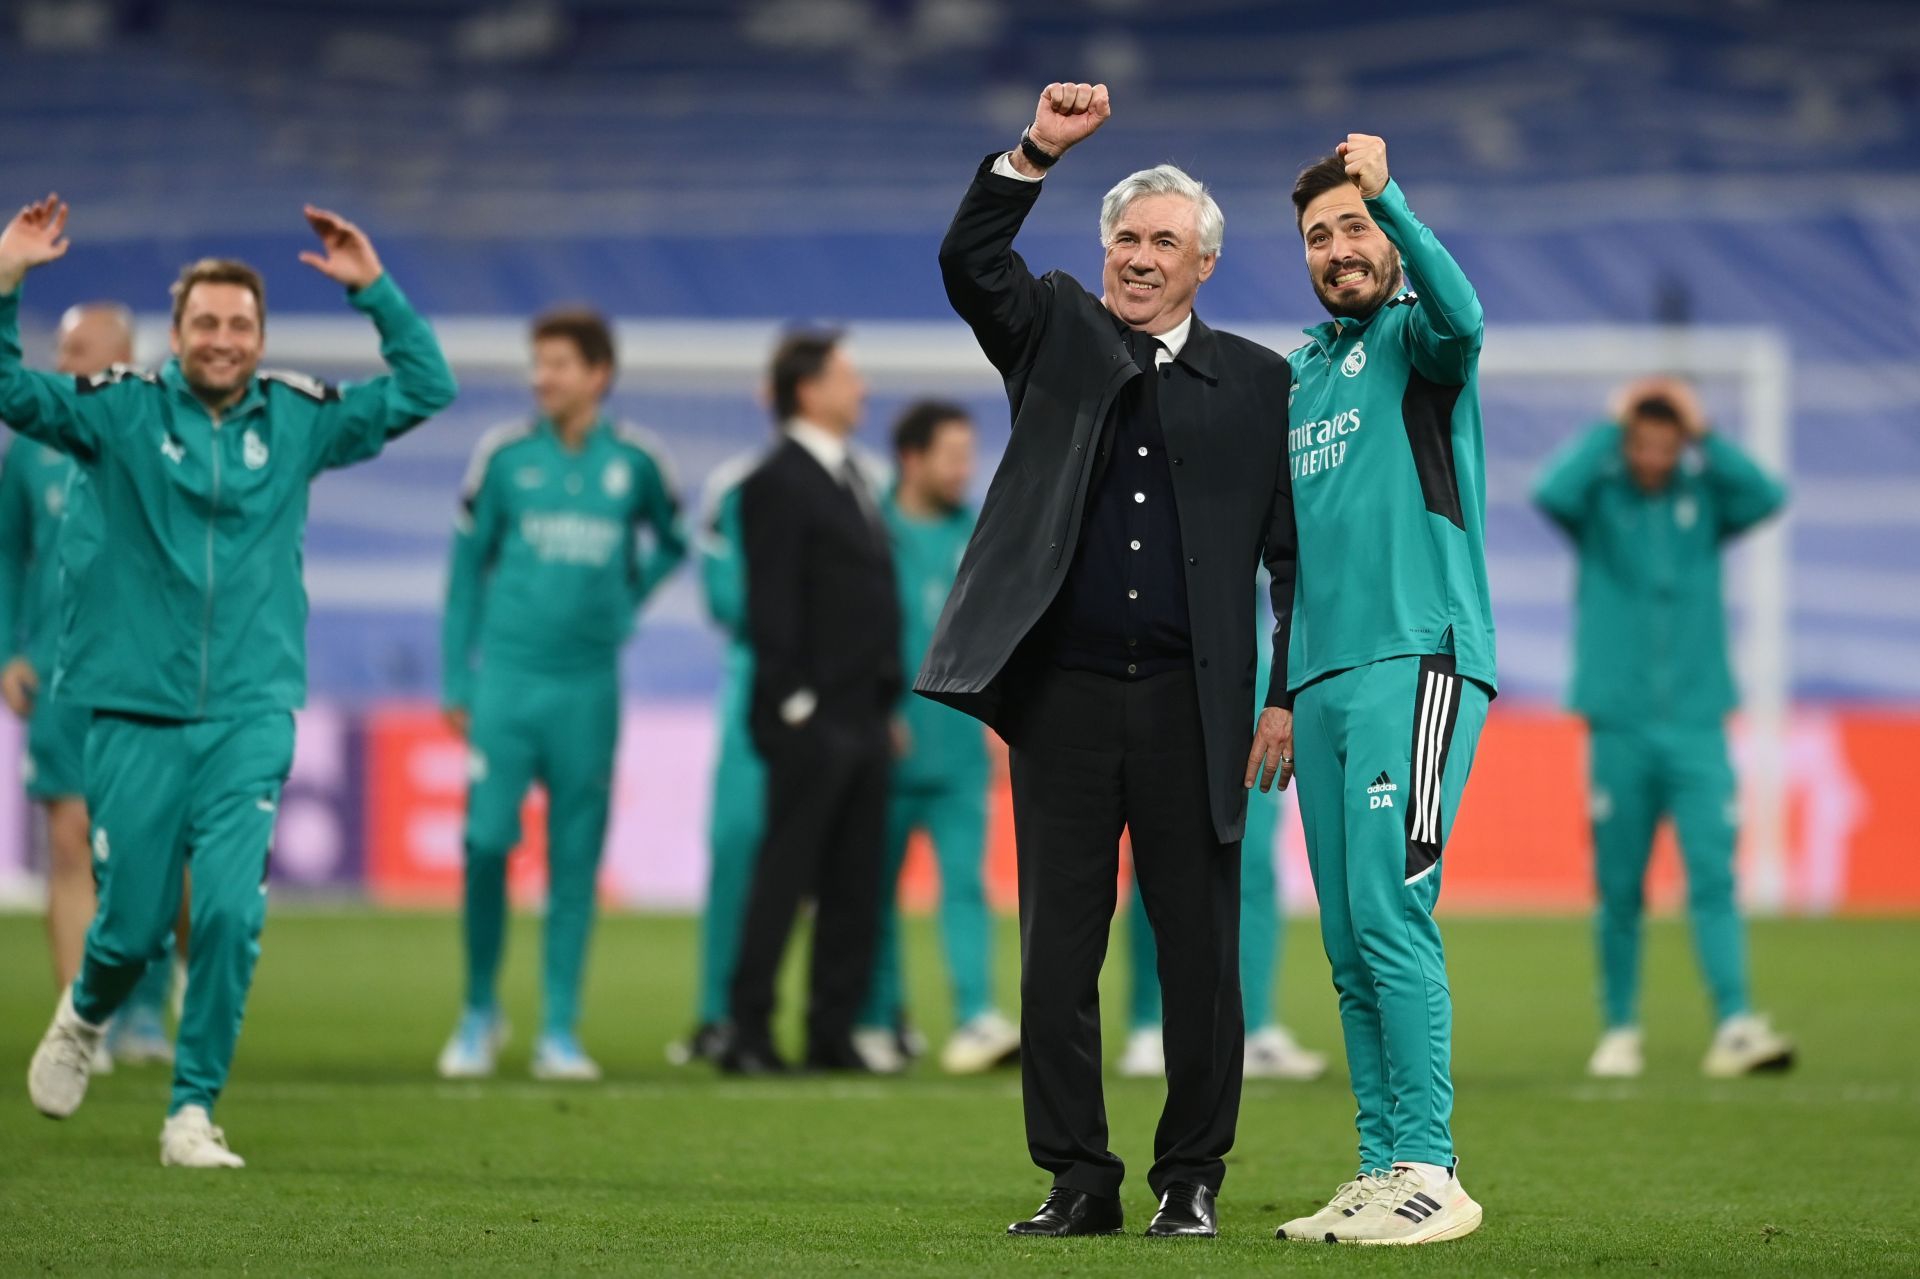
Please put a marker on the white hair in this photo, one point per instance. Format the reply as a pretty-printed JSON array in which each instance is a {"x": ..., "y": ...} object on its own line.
[
  {"x": 118, "y": 313},
  {"x": 1165, "y": 179}
]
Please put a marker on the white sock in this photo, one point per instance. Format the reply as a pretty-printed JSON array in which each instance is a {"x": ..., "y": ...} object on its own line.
[{"x": 1432, "y": 1176}]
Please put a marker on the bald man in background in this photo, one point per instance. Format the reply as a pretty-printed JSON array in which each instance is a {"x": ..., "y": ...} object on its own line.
[{"x": 38, "y": 487}]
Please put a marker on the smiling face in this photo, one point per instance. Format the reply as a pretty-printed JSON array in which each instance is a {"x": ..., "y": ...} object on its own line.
[
  {"x": 1154, "y": 263},
  {"x": 219, "y": 337},
  {"x": 566, "y": 386},
  {"x": 1353, "y": 266}
]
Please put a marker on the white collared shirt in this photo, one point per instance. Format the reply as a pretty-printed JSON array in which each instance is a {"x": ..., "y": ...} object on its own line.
[{"x": 828, "y": 449}]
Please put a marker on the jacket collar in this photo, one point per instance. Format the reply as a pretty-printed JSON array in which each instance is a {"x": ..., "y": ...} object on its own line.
[
  {"x": 1199, "y": 352},
  {"x": 545, "y": 426},
  {"x": 175, "y": 381},
  {"x": 1326, "y": 334}
]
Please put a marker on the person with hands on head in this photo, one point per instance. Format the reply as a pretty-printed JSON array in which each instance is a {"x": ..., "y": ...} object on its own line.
[
  {"x": 1392, "y": 666},
  {"x": 1650, "y": 499},
  {"x": 1102, "y": 622},
  {"x": 189, "y": 642}
]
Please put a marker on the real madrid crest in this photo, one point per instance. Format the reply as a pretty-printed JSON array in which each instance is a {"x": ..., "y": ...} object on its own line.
[{"x": 617, "y": 478}]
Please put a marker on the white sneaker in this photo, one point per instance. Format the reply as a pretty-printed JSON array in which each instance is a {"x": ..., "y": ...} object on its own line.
[
  {"x": 189, "y": 1140},
  {"x": 1348, "y": 1200},
  {"x": 1145, "y": 1057},
  {"x": 1619, "y": 1055},
  {"x": 102, "y": 1059},
  {"x": 561, "y": 1059},
  {"x": 1744, "y": 1044},
  {"x": 476, "y": 1043},
  {"x": 138, "y": 1037},
  {"x": 1273, "y": 1054},
  {"x": 1413, "y": 1208},
  {"x": 879, "y": 1048},
  {"x": 57, "y": 1078},
  {"x": 980, "y": 1044}
]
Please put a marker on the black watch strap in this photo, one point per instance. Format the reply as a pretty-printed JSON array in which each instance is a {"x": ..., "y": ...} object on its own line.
[{"x": 1035, "y": 156}]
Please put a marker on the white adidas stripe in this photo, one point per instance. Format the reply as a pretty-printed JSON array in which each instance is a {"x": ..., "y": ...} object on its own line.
[
  {"x": 1435, "y": 756},
  {"x": 1436, "y": 702}
]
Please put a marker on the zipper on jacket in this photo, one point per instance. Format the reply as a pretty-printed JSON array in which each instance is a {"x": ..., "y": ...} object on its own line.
[{"x": 206, "y": 616}]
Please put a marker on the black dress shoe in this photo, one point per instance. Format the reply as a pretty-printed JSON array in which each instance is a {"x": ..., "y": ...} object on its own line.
[
  {"x": 744, "y": 1057},
  {"x": 841, "y": 1056},
  {"x": 1072, "y": 1212},
  {"x": 708, "y": 1042},
  {"x": 1185, "y": 1210}
]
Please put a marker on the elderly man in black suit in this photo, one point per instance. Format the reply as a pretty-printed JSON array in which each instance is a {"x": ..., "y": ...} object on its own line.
[
  {"x": 824, "y": 623},
  {"x": 1102, "y": 621}
]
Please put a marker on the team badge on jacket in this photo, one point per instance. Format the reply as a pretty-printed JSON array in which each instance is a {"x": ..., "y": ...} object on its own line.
[
  {"x": 253, "y": 450},
  {"x": 616, "y": 479}
]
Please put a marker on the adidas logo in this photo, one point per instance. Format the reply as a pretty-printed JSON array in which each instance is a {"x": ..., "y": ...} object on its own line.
[
  {"x": 1417, "y": 1208},
  {"x": 1380, "y": 794}
]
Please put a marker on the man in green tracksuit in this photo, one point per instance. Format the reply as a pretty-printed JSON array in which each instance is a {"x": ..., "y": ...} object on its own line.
[
  {"x": 1651, "y": 679},
  {"x": 1389, "y": 665},
  {"x": 35, "y": 508},
  {"x": 548, "y": 573},
  {"x": 189, "y": 641},
  {"x": 1272, "y": 1052},
  {"x": 940, "y": 775},
  {"x": 737, "y": 816}
]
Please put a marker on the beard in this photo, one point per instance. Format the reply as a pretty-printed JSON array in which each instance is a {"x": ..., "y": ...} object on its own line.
[{"x": 1385, "y": 278}]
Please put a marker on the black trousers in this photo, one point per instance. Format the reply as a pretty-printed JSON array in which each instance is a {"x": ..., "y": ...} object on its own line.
[
  {"x": 1091, "y": 755},
  {"x": 826, "y": 829}
]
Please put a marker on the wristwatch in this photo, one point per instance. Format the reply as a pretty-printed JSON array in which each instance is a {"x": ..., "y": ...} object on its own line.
[{"x": 1037, "y": 157}]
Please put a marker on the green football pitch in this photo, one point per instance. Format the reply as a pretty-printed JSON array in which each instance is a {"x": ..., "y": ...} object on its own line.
[{"x": 359, "y": 1161}]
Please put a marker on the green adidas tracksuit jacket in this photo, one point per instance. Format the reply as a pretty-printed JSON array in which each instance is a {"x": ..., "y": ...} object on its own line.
[
  {"x": 1388, "y": 474},
  {"x": 200, "y": 610}
]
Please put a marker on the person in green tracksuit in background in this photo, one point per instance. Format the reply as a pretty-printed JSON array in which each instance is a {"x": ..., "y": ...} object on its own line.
[
  {"x": 737, "y": 817},
  {"x": 1271, "y": 1052},
  {"x": 1390, "y": 666},
  {"x": 567, "y": 524},
  {"x": 35, "y": 483},
  {"x": 189, "y": 635},
  {"x": 1650, "y": 500},
  {"x": 940, "y": 774}
]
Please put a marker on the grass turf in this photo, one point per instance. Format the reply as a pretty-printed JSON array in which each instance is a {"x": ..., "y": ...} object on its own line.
[{"x": 359, "y": 1161}]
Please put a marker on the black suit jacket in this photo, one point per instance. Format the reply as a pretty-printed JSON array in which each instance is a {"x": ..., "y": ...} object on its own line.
[
  {"x": 1064, "y": 360},
  {"x": 822, "y": 610}
]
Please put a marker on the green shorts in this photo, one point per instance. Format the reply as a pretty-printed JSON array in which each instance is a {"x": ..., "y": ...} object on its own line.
[{"x": 56, "y": 749}]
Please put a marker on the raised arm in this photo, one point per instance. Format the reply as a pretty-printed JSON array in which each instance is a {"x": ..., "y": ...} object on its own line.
[
  {"x": 1746, "y": 493},
  {"x": 988, "y": 283},
  {"x": 1448, "y": 325},
  {"x": 55, "y": 409},
  {"x": 1564, "y": 489},
  {"x": 356, "y": 422}
]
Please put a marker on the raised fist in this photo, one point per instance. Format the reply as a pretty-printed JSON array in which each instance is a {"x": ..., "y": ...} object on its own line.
[
  {"x": 1366, "y": 158},
  {"x": 1067, "y": 114}
]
